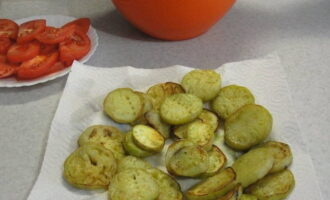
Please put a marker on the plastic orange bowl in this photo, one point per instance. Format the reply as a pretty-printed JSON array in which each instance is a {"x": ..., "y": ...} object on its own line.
[{"x": 173, "y": 19}]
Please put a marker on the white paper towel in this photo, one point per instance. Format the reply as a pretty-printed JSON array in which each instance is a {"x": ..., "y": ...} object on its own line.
[{"x": 81, "y": 106}]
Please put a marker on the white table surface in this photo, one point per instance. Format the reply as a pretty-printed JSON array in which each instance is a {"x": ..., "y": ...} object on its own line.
[{"x": 299, "y": 30}]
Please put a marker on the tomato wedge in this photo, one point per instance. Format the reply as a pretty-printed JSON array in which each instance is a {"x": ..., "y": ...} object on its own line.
[
  {"x": 53, "y": 35},
  {"x": 6, "y": 70},
  {"x": 36, "y": 67},
  {"x": 48, "y": 48},
  {"x": 82, "y": 24},
  {"x": 58, "y": 66},
  {"x": 8, "y": 28},
  {"x": 5, "y": 43},
  {"x": 29, "y": 30},
  {"x": 3, "y": 58},
  {"x": 74, "y": 48},
  {"x": 22, "y": 52}
]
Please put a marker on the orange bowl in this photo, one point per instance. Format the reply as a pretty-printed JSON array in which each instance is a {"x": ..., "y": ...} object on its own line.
[{"x": 173, "y": 19}]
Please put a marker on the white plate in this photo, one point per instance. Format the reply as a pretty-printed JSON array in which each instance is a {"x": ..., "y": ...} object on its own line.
[{"x": 57, "y": 21}]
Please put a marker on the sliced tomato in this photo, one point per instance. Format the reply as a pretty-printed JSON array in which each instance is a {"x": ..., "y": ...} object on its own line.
[
  {"x": 5, "y": 43},
  {"x": 29, "y": 30},
  {"x": 36, "y": 67},
  {"x": 53, "y": 35},
  {"x": 8, "y": 28},
  {"x": 6, "y": 70},
  {"x": 48, "y": 48},
  {"x": 3, "y": 58},
  {"x": 22, "y": 52},
  {"x": 58, "y": 66},
  {"x": 74, "y": 48},
  {"x": 82, "y": 24}
]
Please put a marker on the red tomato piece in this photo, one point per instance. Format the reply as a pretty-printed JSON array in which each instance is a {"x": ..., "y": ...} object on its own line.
[
  {"x": 58, "y": 66},
  {"x": 3, "y": 58},
  {"x": 6, "y": 70},
  {"x": 36, "y": 67},
  {"x": 74, "y": 48},
  {"x": 48, "y": 48},
  {"x": 29, "y": 30},
  {"x": 53, "y": 35},
  {"x": 8, "y": 28},
  {"x": 23, "y": 52},
  {"x": 82, "y": 24},
  {"x": 5, "y": 43}
]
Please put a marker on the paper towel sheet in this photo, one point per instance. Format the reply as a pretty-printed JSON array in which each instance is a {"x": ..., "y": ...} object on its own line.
[{"x": 81, "y": 106}]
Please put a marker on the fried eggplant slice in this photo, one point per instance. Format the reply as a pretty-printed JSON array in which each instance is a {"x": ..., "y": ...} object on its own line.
[
  {"x": 132, "y": 149},
  {"x": 108, "y": 136},
  {"x": 133, "y": 184},
  {"x": 247, "y": 127},
  {"x": 213, "y": 187},
  {"x": 123, "y": 105},
  {"x": 234, "y": 194},
  {"x": 181, "y": 130},
  {"x": 217, "y": 161},
  {"x": 161, "y": 91},
  {"x": 230, "y": 99},
  {"x": 206, "y": 117},
  {"x": 174, "y": 148},
  {"x": 189, "y": 162},
  {"x": 201, "y": 134},
  {"x": 147, "y": 106},
  {"x": 154, "y": 120},
  {"x": 248, "y": 197},
  {"x": 170, "y": 189},
  {"x": 282, "y": 155},
  {"x": 253, "y": 165},
  {"x": 91, "y": 166},
  {"x": 147, "y": 138},
  {"x": 181, "y": 108},
  {"x": 147, "y": 101},
  {"x": 132, "y": 162},
  {"x": 209, "y": 118},
  {"x": 275, "y": 186},
  {"x": 204, "y": 84}
]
